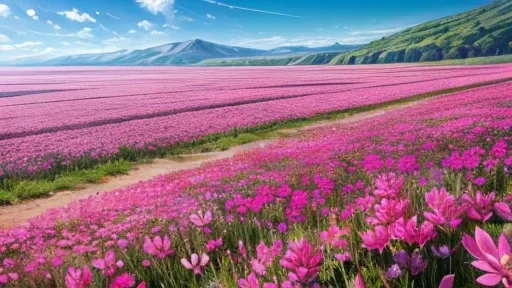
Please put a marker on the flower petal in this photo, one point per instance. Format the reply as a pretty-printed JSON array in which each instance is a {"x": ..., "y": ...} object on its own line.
[
  {"x": 483, "y": 265},
  {"x": 185, "y": 263},
  {"x": 503, "y": 246},
  {"x": 485, "y": 242},
  {"x": 447, "y": 281},
  {"x": 470, "y": 245},
  {"x": 489, "y": 279}
]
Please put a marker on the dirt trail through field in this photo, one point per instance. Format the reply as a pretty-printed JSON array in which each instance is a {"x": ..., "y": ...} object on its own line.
[{"x": 19, "y": 213}]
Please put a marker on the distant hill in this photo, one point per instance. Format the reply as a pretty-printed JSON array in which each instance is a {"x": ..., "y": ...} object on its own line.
[
  {"x": 486, "y": 31},
  {"x": 185, "y": 53}
]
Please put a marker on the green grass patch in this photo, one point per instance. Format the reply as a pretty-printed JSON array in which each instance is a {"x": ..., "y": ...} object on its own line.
[
  {"x": 17, "y": 190},
  {"x": 474, "y": 61},
  {"x": 14, "y": 190}
]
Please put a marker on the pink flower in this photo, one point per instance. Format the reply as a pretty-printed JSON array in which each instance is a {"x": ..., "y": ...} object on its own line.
[
  {"x": 377, "y": 239},
  {"x": 496, "y": 261},
  {"x": 201, "y": 220},
  {"x": 447, "y": 281},
  {"x": 76, "y": 278},
  {"x": 303, "y": 261},
  {"x": 195, "y": 264},
  {"x": 108, "y": 265},
  {"x": 388, "y": 211},
  {"x": 388, "y": 185},
  {"x": 359, "y": 282},
  {"x": 253, "y": 282},
  {"x": 411, "y": 233},
  {"x": 124, "y": 280},
  {"x": 503, "y": 210},
  {"x": 333, "y": 236},
  {"x": 157, "y": 247},
  {"x": 444, "y": 208},
  {"x": 265, "y": 256},
  {"x": 213, "y": 245},
  {"x": 480, "y": 207}
]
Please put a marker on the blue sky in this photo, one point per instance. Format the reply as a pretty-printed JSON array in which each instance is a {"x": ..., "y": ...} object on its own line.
[{"x": 49, "y": 28}]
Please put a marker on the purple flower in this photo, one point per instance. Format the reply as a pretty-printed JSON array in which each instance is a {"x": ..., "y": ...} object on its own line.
[
  {"x": 282, "y": 227},
  {"x": 442, "y": 251},
  {"x": 417, "y": 263},
  {"x": 393, "y": 272}
]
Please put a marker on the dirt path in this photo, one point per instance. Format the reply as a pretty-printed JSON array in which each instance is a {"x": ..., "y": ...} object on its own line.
[{"x": 19, "y": 213}]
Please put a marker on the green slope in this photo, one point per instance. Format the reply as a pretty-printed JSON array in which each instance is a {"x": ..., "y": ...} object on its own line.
[{"x": 486, "y": 31}]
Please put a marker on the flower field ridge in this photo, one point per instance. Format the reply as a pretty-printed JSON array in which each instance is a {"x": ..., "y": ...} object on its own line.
[
  {"x": 417, "y": 197},
  {"x": 82, "y": 116}
]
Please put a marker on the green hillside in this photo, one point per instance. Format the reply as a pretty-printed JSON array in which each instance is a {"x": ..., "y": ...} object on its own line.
[{"x": 486, "y": 31}]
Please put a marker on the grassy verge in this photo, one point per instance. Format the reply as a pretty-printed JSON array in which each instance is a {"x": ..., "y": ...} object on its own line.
[
  {"x": 474, "y": 61},
  {"x": 17, "y": 190},
  {"x": 14, "y": 190}
]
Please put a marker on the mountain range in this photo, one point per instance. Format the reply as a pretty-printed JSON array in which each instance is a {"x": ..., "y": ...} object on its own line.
[
  {"x": 185, "y": 53},
  {"x": 485, "y": 31}
]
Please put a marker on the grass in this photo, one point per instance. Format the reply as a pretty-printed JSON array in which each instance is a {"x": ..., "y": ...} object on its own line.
[
  {"x": 474, "y": 61},
  {"x": 15, "y": 190}
]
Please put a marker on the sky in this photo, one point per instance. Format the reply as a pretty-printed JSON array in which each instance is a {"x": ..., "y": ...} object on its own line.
[{"x": 44, "y": 29}]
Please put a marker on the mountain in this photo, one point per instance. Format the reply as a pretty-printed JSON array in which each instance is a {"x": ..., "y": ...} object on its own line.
[
  {"x": 486, "y": 31},
  {"x": 184, "y": 53}
]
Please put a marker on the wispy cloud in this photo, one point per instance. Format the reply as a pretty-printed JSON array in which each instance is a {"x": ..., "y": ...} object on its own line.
[
  {"x": 379, "y": 31},
  {"x": 210, "y": 16},
  {"x": 171, "y": 26},
  {"x": 75, "y": 15},
  {"x": 280, "y": 41},
  {"x": 55, "y": 26},
  {"x": 4, "y": 38},
  {"x": 32, "y": 14},
  {"x": 250, "y": 9},
  {"x": 112, "y": 16},
  {"x": 20, "y": 45},
  {"x": 146, "y": 25}
]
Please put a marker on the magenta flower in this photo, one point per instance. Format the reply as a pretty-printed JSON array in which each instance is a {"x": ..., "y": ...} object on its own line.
[
  {"x": 503, "y": 210},
  {"x": 480, "y": 207},
  {"x": 253, "y": 282},
  {"x": 388, "y": 185},
  {"x": 359, "y": 282},
  {"x": 411, "y": 233},
  {"x": 201, "y": 220},
  {"x": 388, "y": 211},
  {"x": 496, "y": 261},
  {"x": 213, "y": 245},
  {"x": 303, "y": 261},
  {"x": 444, "y": 208},
  {"x": 377, "y": 239},
  {"x": 265, "y": 256},
  {"x": 108, "y": 264},
  {"x": 195, "y": 263},
  {"x": 76, "y": 278},
  {"x": 447, "y": 281},
  {"x": 332, "y": 236},
  {"x": 124, "y": 280},
  {"x": 158, "y": 247}
]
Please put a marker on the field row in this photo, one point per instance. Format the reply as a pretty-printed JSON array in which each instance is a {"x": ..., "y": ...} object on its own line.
[
  {"x": 43, "y": 131},
  {"x": 386, "y": 202}
]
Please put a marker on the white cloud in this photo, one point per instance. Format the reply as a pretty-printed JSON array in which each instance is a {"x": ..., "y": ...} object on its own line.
[
  {"x": 4, "y": 38},
  {"x": 55, "y": 26},
  {"x": 104, "y": 28},
  {"x": 379, "y": 31},
  {"x": 186, "y": 19},
  {"x": 97, "y": 13},
  {"x": 250, "y": 9},
  {"x": 145, "y": 24},
  {"x": 17, "y": 18},
  {"x": 4, "y": 10},
  {"x": 75, "y": 15},
  {"x": 279, "y": 41},
  {"x": 171, "y": 26},
  {"x": 132, "y": 31},
  {"x": 84, "y": 33},
  {"x": 20, "y": 46},
  {"x": 114, "y": 40},
  {"x": 156, "y": 33},
  {"x": 211, "y": 16},
  {"x": 65, "y": 43},
  {"x": 113, "y": 16},
  {"x": 156, "y": 6},
  {"x": 37, "y": 54},
  {"x": 31, "y": 12}
]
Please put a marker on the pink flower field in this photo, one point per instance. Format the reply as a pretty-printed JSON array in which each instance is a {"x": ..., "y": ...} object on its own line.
[
  {"x": 417, "y": 197},
  {"x": 52, "y": 118}
]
